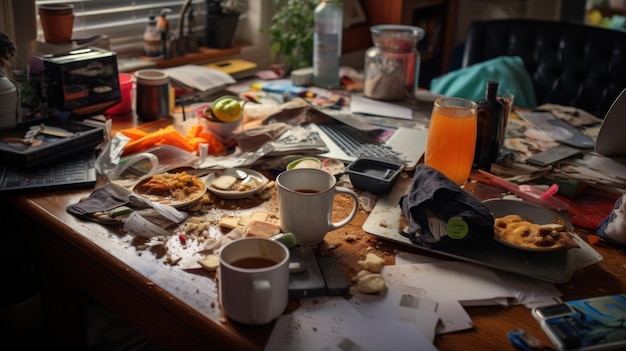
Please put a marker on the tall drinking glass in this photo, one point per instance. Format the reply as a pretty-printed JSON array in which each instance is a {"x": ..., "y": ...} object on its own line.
[{"x": 452, "y": 138}]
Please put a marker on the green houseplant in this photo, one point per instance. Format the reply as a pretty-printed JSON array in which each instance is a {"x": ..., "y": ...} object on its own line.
[{"x": 291, "y": 33}]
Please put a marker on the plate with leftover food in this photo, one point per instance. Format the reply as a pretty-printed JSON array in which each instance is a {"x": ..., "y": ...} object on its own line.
[
  {"x": 526, "y": 226},
  {"x": 236, "y": 183},
  {"x": 175, "y": 189}
]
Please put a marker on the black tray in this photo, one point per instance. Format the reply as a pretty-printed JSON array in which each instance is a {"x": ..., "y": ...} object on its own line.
[{"x": 53, "y": 148}]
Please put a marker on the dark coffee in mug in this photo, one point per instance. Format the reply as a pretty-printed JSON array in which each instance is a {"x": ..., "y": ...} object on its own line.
[
  {"x": 307, "y": 191},
  {"x": 254, "y": 262}
]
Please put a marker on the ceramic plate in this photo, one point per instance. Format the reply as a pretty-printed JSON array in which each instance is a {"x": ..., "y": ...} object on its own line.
[
  {"x": 255, "y": 176},
  {"x": 528, "y": 211},
  {"x": 165, "y": 196}
]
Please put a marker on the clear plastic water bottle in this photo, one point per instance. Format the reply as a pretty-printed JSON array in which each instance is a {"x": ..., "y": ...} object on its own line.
[{"x": 327, "y": 43}]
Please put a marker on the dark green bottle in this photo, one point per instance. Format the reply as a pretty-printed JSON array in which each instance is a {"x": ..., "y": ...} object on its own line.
[{"x": 489, "y": 131}]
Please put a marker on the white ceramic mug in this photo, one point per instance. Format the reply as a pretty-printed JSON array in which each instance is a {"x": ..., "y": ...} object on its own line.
[
  {"x": 305, "y": 204},
  {"x": 254, "y": 280}
]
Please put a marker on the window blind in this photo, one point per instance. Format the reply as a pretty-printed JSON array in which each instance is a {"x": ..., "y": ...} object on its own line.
[{"x": 122, "y": 20}]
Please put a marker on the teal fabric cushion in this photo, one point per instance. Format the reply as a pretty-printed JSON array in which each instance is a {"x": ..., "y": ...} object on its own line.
[{"x": 470, "y": 82}]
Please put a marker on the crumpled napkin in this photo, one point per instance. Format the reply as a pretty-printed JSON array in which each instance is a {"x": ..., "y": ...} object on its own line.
[
  {"x": 441, "y": 214},
  {"x": 112, "y": 196},
  {"x": 254, "y": 138},
  {"x": 102, "y": 199}
]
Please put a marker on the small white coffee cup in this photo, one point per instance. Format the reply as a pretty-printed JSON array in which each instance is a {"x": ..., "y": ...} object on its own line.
[
  {"x": 305, "y": 204},
  {"x": 254, "y": 280}
]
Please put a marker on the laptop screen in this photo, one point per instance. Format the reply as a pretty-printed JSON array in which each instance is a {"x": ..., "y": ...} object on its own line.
[{"x": 610, "y": 140}]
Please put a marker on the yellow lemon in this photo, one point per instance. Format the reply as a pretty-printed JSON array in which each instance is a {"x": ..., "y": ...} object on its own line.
[{"x": 227, "y": 109}]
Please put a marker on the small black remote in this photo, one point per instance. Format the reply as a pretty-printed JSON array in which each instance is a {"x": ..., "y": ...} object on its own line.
[
  {"x": 305, "y": 278},
  {"x": 336, "y": 283}
]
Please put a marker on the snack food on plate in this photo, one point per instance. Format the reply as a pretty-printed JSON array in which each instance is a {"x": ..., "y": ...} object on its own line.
[
  {"x": 171, "y": 186},
  {"x": 230, "y": 183},
  {"x": 521, "y": 232}
]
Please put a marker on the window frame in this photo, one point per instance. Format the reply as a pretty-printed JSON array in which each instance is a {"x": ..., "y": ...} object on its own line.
[{"x": 129, "y": 44}]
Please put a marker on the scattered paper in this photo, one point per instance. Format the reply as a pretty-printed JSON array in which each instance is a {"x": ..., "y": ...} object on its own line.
[
  {"x": 481, "y": 286},
  {"x": 333, "y": 324},
  {"x": 359, "y": 104},
  {"x": 400, "y": 305},
  {"x": 611, "y": 166},
  {"x": 200, "y": 77},
  {"x": 528, "y": 291},
  {"x": 138, "y": 225},
  {"x": 453, "y": 317}
]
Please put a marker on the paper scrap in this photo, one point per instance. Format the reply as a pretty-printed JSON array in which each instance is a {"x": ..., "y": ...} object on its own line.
[
  {"x": 359, "y": 104},
  {"x": 400, "y": 305},
  {"x": 480, "y": 284},
  {"x": 333, "y": 324}
]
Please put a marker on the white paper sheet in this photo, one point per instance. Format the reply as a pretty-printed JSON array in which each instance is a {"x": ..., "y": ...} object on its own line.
[
  {"x": 441, "y": 281},
  {"x": 359, "y": 104},
  {"x": 528, "y": 291},
  {"x": 333, "y": 324},
  {"x": 400, "y": 305}
]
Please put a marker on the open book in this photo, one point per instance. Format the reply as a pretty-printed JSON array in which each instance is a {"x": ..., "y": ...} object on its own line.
[{"x": 202, "y": 79}]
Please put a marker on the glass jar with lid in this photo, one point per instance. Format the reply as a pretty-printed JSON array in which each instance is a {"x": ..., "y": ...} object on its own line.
[{"x": 392, "y": 64}]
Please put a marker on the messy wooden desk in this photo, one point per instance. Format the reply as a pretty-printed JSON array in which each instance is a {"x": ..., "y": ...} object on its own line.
[{"x": 178, "y": 309}]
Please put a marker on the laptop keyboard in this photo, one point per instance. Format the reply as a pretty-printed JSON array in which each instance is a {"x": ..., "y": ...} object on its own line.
[
  {"x": 357, "y": 143},
  {"x": 76, "y": 173}
]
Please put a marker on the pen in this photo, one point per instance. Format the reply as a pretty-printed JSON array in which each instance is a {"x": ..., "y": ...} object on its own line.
[{"x": 528, "y": 192}]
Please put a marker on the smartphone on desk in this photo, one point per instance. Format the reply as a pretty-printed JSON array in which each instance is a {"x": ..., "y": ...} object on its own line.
[{"x": 597, "y": 323}]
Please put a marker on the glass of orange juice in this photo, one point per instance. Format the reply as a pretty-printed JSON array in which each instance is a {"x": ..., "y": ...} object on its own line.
[{"x": 452, "y": 138}]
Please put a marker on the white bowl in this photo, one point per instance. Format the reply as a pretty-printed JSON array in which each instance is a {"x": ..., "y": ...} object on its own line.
[{"x": 223, "y": 130}]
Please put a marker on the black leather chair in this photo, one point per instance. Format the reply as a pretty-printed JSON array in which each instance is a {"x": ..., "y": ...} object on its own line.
[{"x": 570, "y": 64}]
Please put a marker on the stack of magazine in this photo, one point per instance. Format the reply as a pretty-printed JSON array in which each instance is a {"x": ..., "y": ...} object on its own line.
[{"x": 298, "y": 140}]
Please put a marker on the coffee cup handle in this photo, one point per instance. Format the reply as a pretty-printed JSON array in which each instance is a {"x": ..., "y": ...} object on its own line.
[
  {"x": 352, "y": 194},
  {"x": 262, "y": 297}
]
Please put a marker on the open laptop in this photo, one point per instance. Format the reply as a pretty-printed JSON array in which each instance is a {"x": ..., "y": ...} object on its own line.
[
  {"x": 610, "y": 141},
  {"x": 76, "y": 172},
  {"x": 347, "y": 143}
]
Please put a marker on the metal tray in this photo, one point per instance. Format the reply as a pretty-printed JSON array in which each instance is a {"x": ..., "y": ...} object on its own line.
[{"x": 551, "y": 266}]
